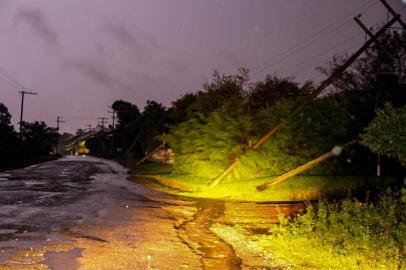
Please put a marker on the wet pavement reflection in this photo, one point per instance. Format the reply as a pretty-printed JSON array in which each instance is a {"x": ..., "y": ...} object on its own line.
[{"x": 84, "y": 213}]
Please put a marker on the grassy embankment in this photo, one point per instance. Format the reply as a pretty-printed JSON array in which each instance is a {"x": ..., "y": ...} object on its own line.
[
  {"x": 340, "y": 234},
  {"x": 343, "y": 235},
  {"x": 299, "y": 188}
]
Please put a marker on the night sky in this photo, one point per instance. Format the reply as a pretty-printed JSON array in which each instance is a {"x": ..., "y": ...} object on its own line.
[{"x": 81, "y": 55}]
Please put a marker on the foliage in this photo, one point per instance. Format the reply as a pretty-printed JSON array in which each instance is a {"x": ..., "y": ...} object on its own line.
[
  {"x": 386, "y": 134},
  {"x": 127, "y": 127},
  {"x": 8, "y": 138},
  {"x": 222, "y": 89},
  {"x": 349, "y": 234},
  {"x": 127, "y": 113},
  {"x": 153, "y": 122},
  {"x": 204, "y": 144},
  {"x": 207, "y": 142},
  {"x": 38, "y": 138},
  {"x": 273, "y": 89},
  {"x": 181, "y": 109},
  {"x": 302, "y": 138},
  {"x": 374, "y": 79}
]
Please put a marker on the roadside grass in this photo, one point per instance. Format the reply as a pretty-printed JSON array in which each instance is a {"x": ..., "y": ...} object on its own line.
[
  {"x": 335, "y": 235},
  {"x": 146, "y": 168},
  {"x": 299, "y": 188},
  {"x": 337, "y": 232}
]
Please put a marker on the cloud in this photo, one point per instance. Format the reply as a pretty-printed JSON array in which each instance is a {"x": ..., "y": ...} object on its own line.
[
  {"x": 38, "y": 23},
  {"x": 113, "y": 79},
  {"x": 122, "y": 35},
  {"x": 94, "y": 72}
]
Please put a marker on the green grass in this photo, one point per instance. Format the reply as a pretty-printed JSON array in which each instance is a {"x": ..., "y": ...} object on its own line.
[
  {"x": 298, "y": 188},
  {"x": 146, "y": 168},
  {"x": 342, "y": 235}
]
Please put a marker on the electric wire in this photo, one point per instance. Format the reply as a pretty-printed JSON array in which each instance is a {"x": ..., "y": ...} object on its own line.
[
  {"x": 312, "y": 57},
  {"x": 309, "y": 41},
  {"x": 296, "y": 72}
]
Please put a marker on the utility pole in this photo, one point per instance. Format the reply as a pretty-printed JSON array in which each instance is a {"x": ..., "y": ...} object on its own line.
[
  {"x": 102, "y": 120},
  {"x": 59, "y": 121},
  {"x": 113, "y": 117},
  {"x": 89, "y": 127},
  {"x": 357, "y": 19},
  {"x": 394, "y": 14},
  {"x": 23, "y": 93},
  {"x": 323, "y": 85}
]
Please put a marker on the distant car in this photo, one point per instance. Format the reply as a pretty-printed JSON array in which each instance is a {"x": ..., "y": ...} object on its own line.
[{"x": 82, "y": 149}]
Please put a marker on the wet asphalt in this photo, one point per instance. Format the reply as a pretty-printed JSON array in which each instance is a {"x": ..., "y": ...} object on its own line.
[{"x": 83, "y": 213}]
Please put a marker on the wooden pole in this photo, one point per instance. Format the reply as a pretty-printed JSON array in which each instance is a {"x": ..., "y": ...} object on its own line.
[
  {"x": 304, "y": 167},
  {"x": 133, "y": 144},
  {"x": 151, "y": 153},
  {"x": 307, "y": 101},
  {"x": 370, "y": 34},
  {"x": 394, "y": 14}
]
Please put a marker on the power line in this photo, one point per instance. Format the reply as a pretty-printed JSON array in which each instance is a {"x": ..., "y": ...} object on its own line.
[
  {"x": 312, "y": 57},
  {"x": 307, "y": 42},
  {"x": 15, "y": 83},
  {"x": 80, "y": 118},
  {"x": 320, "y": 75}
]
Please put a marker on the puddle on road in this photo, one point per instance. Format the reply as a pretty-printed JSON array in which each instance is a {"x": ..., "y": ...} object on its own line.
[
  {"x": 216, "y": 253},
  {"x": 63, "y": 260}
]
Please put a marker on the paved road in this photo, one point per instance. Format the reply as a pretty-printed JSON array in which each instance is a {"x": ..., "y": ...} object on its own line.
[{"x": 83, "y": 213}]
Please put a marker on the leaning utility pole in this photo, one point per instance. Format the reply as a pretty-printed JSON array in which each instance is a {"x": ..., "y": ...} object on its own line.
[
  {"x": 59, "y": 121},
  {"x": 338, "y": 72},
  {"x": 357, "y": 19},
  {"x": 23, "y": 93},
  {"x": 394, "y": 14},
  {"x": 308, "y": 165}
]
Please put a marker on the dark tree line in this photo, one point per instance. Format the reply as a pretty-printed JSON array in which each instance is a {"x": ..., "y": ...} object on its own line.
[{"x": 37, "y": 140}]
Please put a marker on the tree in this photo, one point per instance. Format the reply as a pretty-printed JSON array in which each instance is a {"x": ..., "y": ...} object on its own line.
[
  {"x": 181, "y": 109},
  {"x": 386, "y": 134},
  {"x": 153, "y": 122},
  {"x": 8, "y": 138},
  {"x": 127, "y": 113},
  {"x": 205, "y": 144},
  {"x": 38, "y": 138},
  {"x": 128, "y": 127},
  {"x": 273, "y": 89},
  {"x": 379, "y": 76}
]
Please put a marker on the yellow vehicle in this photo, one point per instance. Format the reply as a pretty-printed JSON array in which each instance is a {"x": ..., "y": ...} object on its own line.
[{"x": 82, "y": 149}]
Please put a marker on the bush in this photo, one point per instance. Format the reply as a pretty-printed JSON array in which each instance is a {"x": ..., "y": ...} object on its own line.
[
  {"x": 386, "y": 134},
  {"x": 348, "y": 235}
]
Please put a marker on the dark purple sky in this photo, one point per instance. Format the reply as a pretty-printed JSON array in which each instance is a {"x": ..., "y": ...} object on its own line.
[{"x": 81, "y": 55}]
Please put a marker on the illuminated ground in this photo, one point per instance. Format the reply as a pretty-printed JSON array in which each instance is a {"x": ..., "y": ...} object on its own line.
[{"x": 83, "y": 213}]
